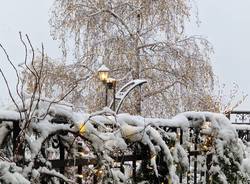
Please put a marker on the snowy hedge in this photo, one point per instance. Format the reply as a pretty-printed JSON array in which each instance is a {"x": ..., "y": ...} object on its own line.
[{"x": 104, "y": 135}]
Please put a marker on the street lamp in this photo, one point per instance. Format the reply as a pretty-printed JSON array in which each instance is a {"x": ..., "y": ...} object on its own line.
[
  {"x": 103, "y": 73},
  {"x": 110, "y": 83}
]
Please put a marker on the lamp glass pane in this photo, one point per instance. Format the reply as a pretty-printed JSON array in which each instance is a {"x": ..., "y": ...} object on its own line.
[{"x": 103, "y": 75}]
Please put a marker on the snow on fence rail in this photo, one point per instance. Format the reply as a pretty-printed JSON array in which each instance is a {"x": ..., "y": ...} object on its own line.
[
  {"x": 241, "y": 122},
  {"x": 191, "y": 147}
]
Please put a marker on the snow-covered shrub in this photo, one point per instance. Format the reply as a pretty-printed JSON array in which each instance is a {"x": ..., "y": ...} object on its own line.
[{"x": 105, "y": 136}]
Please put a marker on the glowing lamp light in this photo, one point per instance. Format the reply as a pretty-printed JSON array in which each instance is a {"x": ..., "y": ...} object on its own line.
[
  {"x": 81, "y": 154},
  {"x": 153, "y": 157},
  {"x": 111, "y": 82},
  {"x": 103, "y": 73},
  {"x": 100, "y": 172},
  {"x": 82, "y": 129},
  {"x": 205, "y": 148}
]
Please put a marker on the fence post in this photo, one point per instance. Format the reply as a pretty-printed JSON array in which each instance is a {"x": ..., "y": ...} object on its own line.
[
  {"x": 134, "y": 165},
  {"x": 208, "y": 163},
  {"x": 79, "y": 167},
  {"x": 181, "y": 142},
  {"x": 62, "y": 156},
  {"x": 15, "y": 140},
  {"x": 189, "y": 157},
  {"x": 196, "y": 154}
]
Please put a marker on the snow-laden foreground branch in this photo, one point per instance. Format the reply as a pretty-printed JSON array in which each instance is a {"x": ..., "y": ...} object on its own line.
[{"x": 105, "y": 135}]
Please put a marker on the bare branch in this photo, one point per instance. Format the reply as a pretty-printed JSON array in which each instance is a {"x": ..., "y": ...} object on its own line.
[
  {"x": 57, "y": 101},
  {"x": 10, "y": 93},
  {"x": 13, "y": 66}
]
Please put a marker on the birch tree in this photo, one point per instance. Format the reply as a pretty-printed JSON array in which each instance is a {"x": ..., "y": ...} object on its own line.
[{"x": 137, "y": 39}]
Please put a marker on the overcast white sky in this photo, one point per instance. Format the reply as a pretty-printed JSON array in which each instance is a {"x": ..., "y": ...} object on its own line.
[{"x": 225, "y": 23}]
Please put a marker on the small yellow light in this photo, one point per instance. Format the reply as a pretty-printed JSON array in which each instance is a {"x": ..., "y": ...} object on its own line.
[
  {"x": 205, "y": 148},
  {"x": 81, "y": 154},
  {"x": 178, "y": 135},
  {"x": 98, "y": 172},
  {"x": 169, "y": 180},
  {"x": 153, "y": 157},
  {"x": 79, "y": 176},
  {"x": 82, "y": 128}
]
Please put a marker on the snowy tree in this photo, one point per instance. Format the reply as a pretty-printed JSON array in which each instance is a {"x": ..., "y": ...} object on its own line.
[{"x": 137, "y": 39}]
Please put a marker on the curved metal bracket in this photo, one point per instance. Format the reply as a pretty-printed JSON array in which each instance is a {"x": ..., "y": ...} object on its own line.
[{"x": 125, "y": 90}]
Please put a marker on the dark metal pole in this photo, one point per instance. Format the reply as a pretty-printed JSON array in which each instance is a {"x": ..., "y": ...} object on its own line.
[
  {"x": 79, "y": 169},
  {"x": 114, "y": 91},
  {"x": 208, "y": 163},
  {"x": 121, "y": 166},
  {"x": 106, "y": 94},
  {"x": 181, "y": 136},
  {"x": 181, "y": 142},
  {"x": 248, "y": 136},
  {"x": 62, "y": 157},
  {"x": 189, "y": 172},
  {"x": 189, "y": 158},
  {"x": 15, "y": 141},
  {"x": 195, "y": 161},
  {"x": 134, "y": 165}
]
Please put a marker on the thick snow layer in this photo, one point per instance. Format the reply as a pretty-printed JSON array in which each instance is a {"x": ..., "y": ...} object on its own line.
[
  {"x": 47, "y": 171},
  {"x": 9, "y": 115},
  {"x": 8, "y": 174},
  {"x": 241, "y": 126},
  {"x": 219, "y": 122}
]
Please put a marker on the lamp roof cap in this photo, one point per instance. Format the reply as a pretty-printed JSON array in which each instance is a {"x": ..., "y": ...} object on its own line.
[{"x": 103, "y": 68}]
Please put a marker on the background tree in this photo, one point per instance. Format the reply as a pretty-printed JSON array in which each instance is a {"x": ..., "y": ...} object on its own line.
[
  {"x": 57, "y": 78},
  {"x": 137, "y": 39}
]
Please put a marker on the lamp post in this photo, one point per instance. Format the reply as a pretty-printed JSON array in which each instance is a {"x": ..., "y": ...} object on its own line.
[
  {"x": 110, "y": 83},
  {"x": 103, "y": 73}
]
